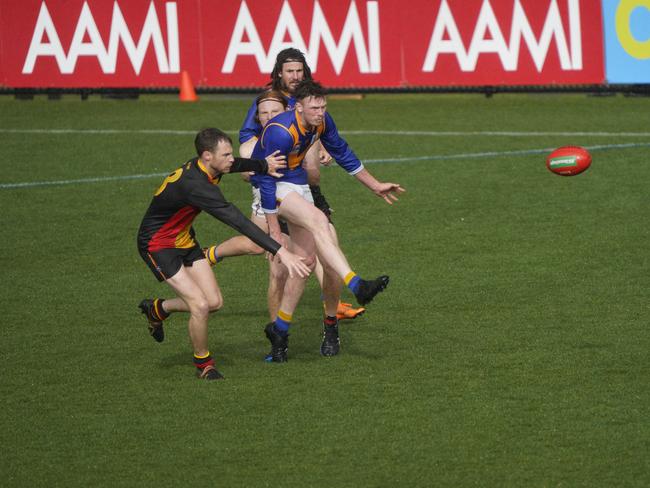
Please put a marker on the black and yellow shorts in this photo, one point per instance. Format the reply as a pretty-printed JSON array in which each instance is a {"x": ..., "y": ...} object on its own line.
[{"x": 165, "y": 263}]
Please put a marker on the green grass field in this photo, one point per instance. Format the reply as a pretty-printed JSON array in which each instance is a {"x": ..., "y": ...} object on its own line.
[{"x": 511, "y": 348}]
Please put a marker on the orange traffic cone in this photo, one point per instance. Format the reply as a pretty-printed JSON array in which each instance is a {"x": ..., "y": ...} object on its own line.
[{"x": 187, "y": 93}]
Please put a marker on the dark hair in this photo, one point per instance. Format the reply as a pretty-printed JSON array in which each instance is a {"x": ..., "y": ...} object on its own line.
[
  {"x": 271, "y": 94},
  {"x": 289, "y": 55},
  {"x": 309, "y": 88},
  {"x": 208, "y": 140}
]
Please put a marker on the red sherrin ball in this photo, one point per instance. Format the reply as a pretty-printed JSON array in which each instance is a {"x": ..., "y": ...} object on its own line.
[{"x": 568, "y": 160}]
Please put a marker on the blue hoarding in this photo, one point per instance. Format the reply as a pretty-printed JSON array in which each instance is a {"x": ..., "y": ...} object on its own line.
[{"x": 627, "y": 40}]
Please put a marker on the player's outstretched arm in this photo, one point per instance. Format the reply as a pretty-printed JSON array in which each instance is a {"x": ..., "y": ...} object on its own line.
[{"x": 386, "y": 190}]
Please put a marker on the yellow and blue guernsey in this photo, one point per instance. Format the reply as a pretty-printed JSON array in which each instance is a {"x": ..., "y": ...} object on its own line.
[{"x": 286, "y": 133}]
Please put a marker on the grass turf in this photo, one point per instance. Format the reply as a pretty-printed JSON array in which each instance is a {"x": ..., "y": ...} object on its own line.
[{"x": 511, "y": 348}]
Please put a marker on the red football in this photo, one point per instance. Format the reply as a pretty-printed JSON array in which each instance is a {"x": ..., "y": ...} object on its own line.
[{"x": 568, "y": 160}]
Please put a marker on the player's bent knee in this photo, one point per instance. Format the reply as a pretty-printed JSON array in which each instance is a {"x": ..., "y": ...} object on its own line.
[
  {"x": 310, "y": 262},
  {"x": 215, "y": 304},
  {"x": 333, "y": 232},
  {"x": 320, "y": 222},
  {"x": 199, "y": 308}
]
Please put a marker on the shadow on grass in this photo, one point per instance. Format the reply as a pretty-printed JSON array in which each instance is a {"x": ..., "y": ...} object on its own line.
[{"x": 175, "y": 360}]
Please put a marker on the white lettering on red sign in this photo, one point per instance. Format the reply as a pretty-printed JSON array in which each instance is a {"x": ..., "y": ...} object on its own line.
[
  {"x": 168, "y": 57},
  {"x": 368, "y": 54},
  {"x": 495, "y": 43}
]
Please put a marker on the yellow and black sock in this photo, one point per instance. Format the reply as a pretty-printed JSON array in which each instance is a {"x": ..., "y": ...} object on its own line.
[
  {"x": 158, "y": 310},
  {"x": 201, "y": 362},
  {"x": 211, "y": 255}
]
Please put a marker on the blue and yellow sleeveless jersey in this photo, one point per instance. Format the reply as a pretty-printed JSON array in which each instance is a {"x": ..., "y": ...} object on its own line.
[{"x": 285, "y": 133}]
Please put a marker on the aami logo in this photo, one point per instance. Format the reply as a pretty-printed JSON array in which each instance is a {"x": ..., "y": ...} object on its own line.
[
  {"x": 353, "y": 33},
  {"x": 46, "y": 42},
  {"x": 488, "y": 38}
]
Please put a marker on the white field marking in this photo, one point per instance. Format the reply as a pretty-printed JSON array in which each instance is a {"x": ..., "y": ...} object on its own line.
[
  {"x": 99, "y": 179},
  {"x": 343, "y": 132},
  {"x": 440, "y": 157},
  {"x": 492, "y": 133},
  {"x": 435, "y": 157},
  {"x": 101, "y": 131}
]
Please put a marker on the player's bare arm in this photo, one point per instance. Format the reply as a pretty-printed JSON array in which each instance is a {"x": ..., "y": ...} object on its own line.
[{"x": 386, "y": 190}]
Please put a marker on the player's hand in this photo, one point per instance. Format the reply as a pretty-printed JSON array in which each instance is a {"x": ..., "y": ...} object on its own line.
[
  {"x": 275, "y": 162},
  {"x": 246, "y": 175},
  {"x": 324, "y": 157},
  {"x": 389, "y": 192},
  {"x": 294, "y": 263}
]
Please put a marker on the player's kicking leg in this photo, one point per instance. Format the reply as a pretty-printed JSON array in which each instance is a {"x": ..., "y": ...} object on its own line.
[
  {"x": 309, "y": 229},
  {"x": 344, "y": 311},
  {"x": 298, "y": 211}
]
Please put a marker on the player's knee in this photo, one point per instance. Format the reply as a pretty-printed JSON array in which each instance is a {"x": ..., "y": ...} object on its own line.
[
  {"x": 321, "y": 226},
  {"x": 310, "y": 262},
  {"x": 215, "y": 303},
  {"x": 333, "y": 232},
  {"x": 200, "y": 308},
  {"x": 321, "y": 221}
]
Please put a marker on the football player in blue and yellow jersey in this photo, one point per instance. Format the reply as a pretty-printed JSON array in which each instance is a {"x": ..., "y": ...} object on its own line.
[
  {"x": 289, "y": 70},
  {"x": 292, "y": 134}
]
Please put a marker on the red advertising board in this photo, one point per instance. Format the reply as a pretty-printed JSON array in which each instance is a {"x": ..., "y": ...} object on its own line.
[{"x": 348, "y": 43}]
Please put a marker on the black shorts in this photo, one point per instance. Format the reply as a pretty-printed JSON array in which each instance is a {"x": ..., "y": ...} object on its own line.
[{"x": 166, "y": 262}]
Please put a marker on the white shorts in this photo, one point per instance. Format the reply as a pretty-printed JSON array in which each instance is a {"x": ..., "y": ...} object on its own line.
[{"x": 284, "y": 188}]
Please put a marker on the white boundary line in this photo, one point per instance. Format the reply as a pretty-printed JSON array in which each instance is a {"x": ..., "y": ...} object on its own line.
[
  {"x": 442, "y": 157},
  {"x": 494, "y": 133},
  {"x": 99, "y": 179},
  {"x": 343, "y": 132},
  {"x": 435, "y": 157}
]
